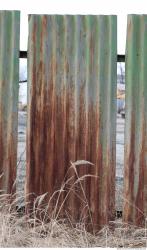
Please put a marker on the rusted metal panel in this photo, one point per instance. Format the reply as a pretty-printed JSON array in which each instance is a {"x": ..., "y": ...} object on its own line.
[
  {"x": 135, "y": 178},
  {"x": 72, "y": 63},
  {"x": 9, "y": 79}
]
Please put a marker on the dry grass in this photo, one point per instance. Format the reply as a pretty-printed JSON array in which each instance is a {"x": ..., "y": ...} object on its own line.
[
  {"x": 20, "y": 231},
  {"x": 16, "y": 232}
]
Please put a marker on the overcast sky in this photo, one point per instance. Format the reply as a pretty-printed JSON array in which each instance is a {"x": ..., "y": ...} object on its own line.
[{"x": 119, "y": 7}]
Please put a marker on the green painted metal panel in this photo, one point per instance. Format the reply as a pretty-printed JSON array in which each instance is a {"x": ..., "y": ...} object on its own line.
[
  {"x": 72, "y": 63},
  {"x": 9, "y": 82},
  {"x": 135, "y": 179}
]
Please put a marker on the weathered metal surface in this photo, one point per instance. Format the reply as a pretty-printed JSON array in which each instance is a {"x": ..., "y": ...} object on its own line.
[
  {"x": 9, "y": 79},
  {"x": 72, "y": 63},
  {"x": 135, "y": 179}
]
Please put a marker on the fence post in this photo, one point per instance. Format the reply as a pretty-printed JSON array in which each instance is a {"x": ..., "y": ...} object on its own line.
[{"x": 9, "y": 85}]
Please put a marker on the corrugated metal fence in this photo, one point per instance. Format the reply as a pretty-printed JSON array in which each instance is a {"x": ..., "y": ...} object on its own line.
[
  {"x": 72, "y": 114},
  {"x": 9, "y": 78},
  {"x": 135, "y": 193},
  {"x": 72, "y": 111}
]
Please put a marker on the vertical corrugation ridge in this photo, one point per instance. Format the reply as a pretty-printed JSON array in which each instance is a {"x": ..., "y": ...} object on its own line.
[
  {"x": 31, "y": 64},
  {"x": 104, "y": 113},
  {"x": 43, "y": 104},
  {"x": 131, "y": 90},
  {"x": 34, "y": 104},
  {"x": 110, "y": 74},
  {"x": 81, "y": 113},
  {"x": 60, "y": 109},
  {"x": 144, "y": 117},
  {"x": 139, "y": 175},
  {"x": 107, "y": 115},
  {"x": 94, "y": 153},
  {"x": 9, "y": 78},
  {"x": 13, "y": 113},
  {"x": 128, "y": 107},
  {"x": 2, "y": 112},
  {"x": 52, "y": 84},
  {"x": 30, "y": 97},
  {"x": 59, "y": 103},
  {"x": 71, "y": 122},
  {"x": 135, "y": 129},
  {"x": 87, "y": 212},
  {"x": 111, "y": 115}
]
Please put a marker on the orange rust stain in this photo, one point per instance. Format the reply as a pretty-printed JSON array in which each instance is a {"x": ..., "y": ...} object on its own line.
[
  {"x": 1, "y": 153},
  {"x": 139, "y": 200},
  {"x": 8, "y": 151},
  {"x": 133, "y": 211}
]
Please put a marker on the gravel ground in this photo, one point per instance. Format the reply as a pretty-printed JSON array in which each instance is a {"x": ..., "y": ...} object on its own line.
[
  {"x": 119, "y": 161},
  {"x": 119, "y": 156}
]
